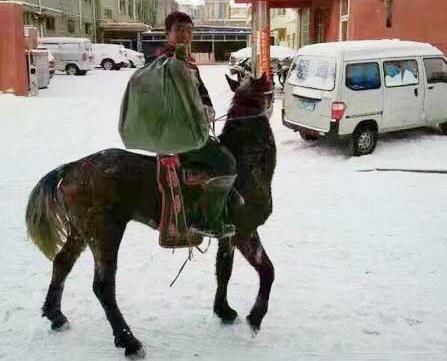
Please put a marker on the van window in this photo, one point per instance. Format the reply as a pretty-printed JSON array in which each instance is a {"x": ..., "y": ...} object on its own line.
[
  {"x": 311, "y": 72},
  {"x": 401, "y": 73},
  {"x": 436, "y": 70},
  {"x": 71, "y": 48},
  {"x": 363, "y": 76}
]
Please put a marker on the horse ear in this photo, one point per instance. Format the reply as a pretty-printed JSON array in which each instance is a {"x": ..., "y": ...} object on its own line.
[{"x": 234, "y": 84}]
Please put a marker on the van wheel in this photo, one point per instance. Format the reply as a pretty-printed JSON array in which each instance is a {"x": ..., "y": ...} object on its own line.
[
  {"x": 443, "y": 128},
  {"x": 108, "y": 64},
  {"x": 308, "y": 137},
  {"x": 72, "y": 69},
  {"x": 363, "y": 140}
]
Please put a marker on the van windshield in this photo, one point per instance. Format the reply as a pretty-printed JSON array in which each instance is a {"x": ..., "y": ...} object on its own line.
[{"x": 313, "y": 72}]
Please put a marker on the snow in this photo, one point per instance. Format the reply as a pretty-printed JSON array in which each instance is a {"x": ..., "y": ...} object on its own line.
[
  {"x": 276, "y": 51},
  {"x": 359, "y": 256}
]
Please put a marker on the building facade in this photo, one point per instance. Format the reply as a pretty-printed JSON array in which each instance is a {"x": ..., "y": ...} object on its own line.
[
  {"x": 224, "y": 12},
  {"x": 110, "y": 21},
  {"x": 334, "y": 20},
  {"x": 285, "y": 27},
  {"x": 163, "y": 9}
]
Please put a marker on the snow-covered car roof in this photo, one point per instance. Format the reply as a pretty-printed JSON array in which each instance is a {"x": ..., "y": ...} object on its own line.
[
  {"x": 276, "y": 51},
  {"x": 364, "y": 49}
]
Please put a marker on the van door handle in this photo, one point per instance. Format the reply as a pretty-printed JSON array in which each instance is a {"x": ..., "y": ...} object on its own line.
[
  {"x": 416, "y": 92},
  {"x": 431, "y": 87}
]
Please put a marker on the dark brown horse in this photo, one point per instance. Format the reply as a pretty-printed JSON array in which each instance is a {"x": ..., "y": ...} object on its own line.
[{"x": 90, "y": 201}]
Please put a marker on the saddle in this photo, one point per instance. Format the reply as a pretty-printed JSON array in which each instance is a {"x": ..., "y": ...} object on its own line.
[{"x": 179, "y": 187}]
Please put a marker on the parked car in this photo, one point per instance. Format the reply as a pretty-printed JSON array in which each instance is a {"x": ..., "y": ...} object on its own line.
[
  {"x": 240, "y": 62},
  {"x": 277, "y": 53},
  {"x": 136, "y": 59},
  {"x": 359, "y": 89},
  {"x": 72, "y": 55},
  {"x": 110, "y": 56}
]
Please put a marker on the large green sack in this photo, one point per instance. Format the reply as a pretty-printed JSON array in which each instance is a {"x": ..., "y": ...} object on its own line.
[{"x": 162, "y": 110}]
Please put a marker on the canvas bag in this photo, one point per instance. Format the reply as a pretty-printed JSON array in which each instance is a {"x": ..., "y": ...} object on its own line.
[{"x": 161, "y": 110}]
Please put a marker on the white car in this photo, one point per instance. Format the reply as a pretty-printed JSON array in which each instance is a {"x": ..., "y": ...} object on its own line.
[
  {"x": 110, "y": 56},
  {"x": 359, "y": 89},
  {"x": 136, "y": 59},
  {"x": 72, "y": 55}
]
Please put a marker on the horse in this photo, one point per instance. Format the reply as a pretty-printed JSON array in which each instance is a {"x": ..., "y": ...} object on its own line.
[{"x": 88, "y": 203}]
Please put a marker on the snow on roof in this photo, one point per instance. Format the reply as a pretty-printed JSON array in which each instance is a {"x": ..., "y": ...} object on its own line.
[
  {"x": 370, "y": 48},
  {"x": 279, "y": 52},
  {"x": 62, "y": 39}
]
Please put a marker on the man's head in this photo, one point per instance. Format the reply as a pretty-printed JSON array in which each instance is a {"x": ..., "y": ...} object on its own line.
[{"x": 179, "y": 27}]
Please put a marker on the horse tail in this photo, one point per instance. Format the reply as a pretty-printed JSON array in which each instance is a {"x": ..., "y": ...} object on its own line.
[{"x": 46, "y": 220}]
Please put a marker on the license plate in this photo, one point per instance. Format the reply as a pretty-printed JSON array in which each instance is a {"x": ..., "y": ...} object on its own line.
[{"x": 307, "y": 105}]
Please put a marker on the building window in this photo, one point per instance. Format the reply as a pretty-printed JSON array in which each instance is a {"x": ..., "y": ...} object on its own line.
[
  {"x": 50, "y": 23},
  {"x": 281, "y": 12},
  {"x": 320, "y": 28},
  {"x": 344, "y": 7},
  {"x": 344, "y": 19},
  {"x": 305, "y": 21},
  {"x": 130, "y": 9},
  {"x": 88, "y": 28},
  {"x": 108, "y": 13},
  {"x": 123, "y": 7},
  {"x": 71, "y": 26},
  {"x": 221, "y": 15},
  {"x": 138, "y": 10},
  {"x": 365, "y": 76},
  {"x": 389, "y": 13}
]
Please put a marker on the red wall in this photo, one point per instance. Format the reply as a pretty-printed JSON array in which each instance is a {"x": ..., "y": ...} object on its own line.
[
  {"x": 418, "y": 20},
  {"x": 13, "y": 74}
]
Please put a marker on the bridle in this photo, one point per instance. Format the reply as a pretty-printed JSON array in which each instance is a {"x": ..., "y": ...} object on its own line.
[{"x": 223, "y": 118}]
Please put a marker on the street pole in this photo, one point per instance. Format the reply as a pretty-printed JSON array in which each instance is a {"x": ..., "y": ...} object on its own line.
[
  {"x": 263, "y": 24},
  {"x": 254, "y": 39}
]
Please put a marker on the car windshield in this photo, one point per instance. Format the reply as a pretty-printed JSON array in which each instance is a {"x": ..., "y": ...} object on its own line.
[{"x": 313, "y": 72}]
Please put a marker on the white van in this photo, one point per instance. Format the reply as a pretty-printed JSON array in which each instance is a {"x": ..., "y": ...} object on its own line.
[
  {"x": 136, "y": 59},
  {"x": 358, "y": 89},
  {"x": 72, "y": 55},
  {"x": 110, "y": 56}
]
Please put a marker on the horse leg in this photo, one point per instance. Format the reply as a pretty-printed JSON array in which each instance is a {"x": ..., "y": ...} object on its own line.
[
  {"x": 224, "y": 267},
  {"x": 62, "y": 265},
  {"x": 105, "y": 253},
  {"x": 255, "y": 254}
]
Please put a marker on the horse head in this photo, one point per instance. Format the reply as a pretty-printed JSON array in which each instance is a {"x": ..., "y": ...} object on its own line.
[{"x": 251, "y": 96}]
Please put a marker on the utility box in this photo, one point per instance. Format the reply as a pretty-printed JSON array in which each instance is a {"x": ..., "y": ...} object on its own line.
[
  {"x": 40, "y": 61},
  {"x": 13, "y": 69}
]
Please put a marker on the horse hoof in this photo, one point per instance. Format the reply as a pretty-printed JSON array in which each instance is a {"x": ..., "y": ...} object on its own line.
[
  {"x": 138, "y": 354},
  {"x": 63, "y": 327},
  {"x": 227, "y": 315},
  {"x": 255, "y": 323},
  {"x": 60, "y": 323}
]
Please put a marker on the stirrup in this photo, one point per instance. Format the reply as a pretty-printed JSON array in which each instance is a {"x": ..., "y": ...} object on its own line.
[{"x": 227, "y": 230}]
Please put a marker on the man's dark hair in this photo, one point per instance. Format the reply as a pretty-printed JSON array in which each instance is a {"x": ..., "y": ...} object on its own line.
[{"x": 177, "y": 17}]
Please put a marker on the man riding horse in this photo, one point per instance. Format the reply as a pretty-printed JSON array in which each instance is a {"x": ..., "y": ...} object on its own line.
[{"x": 210, "y": 215}]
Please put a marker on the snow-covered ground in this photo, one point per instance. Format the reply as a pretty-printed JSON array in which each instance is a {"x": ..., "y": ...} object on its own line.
[{"x": 360, "y": 257}]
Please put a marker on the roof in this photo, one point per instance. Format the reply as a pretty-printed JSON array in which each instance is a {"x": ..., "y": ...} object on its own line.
[
  {"x": 276, "y": 51},
  {"x": 370, "y": 49},
  {"x": 63, "y": 40}
]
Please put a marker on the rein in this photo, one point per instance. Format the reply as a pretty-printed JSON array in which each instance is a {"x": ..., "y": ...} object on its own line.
[{"x": 223, "y": 119}]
